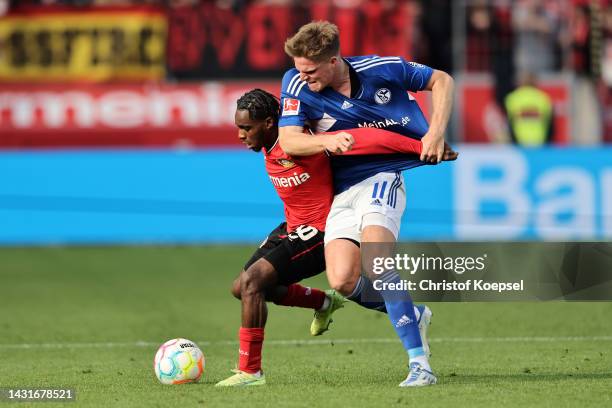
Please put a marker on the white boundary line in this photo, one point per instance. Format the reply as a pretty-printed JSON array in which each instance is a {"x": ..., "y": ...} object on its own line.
[{"x": 308, "y": 342}]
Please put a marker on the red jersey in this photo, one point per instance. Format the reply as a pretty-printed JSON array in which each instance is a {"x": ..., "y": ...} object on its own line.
[{"x": 305, "y": 183}]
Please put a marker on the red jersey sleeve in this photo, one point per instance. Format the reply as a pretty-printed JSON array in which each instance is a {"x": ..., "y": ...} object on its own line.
[{"x": 378, "y": 141}]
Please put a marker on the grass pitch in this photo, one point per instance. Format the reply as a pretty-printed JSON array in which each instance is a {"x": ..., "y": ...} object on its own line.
[{"x": 92, "y": 319}]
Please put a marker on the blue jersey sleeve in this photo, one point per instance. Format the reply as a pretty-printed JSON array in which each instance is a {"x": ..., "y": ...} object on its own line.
[
  {"x": 414, "y": 76},
  {"x": 293, "y": 110}
]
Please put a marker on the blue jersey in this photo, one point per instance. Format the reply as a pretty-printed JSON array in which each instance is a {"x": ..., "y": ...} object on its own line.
[{"x": 381, "y": 100}]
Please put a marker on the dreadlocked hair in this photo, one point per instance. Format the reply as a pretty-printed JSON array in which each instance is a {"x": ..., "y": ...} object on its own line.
[{"x": 260, "y": 105}]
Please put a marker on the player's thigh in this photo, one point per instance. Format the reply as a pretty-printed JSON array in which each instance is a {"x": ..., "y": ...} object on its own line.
[
  {"x": 342, "y": 239},
  {"x": 379, "y": 207},
  {"x": 258, "y": 273},
  {"x": 342, "y": 258},
  {"x": 342, "y": 220},
  {"x": 259, "y": 277},
  {"x": 377, "y": 230}
]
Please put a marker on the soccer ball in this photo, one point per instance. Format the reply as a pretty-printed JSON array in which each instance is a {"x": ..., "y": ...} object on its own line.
[{"x": 178, "y": 361}]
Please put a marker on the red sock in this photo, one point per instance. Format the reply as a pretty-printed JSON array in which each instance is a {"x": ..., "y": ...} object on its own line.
[
  {"x": 301, "y": 296},
  {"x": 251, "y": 342}
]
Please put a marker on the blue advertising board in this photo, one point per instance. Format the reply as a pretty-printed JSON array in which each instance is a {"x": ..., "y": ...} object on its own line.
[{"x": 224, "y": 196}]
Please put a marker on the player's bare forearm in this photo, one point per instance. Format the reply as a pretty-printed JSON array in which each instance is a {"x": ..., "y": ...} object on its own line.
[
  {"x": 296, "y": 143},
  {"x": 442, "y": 87}
]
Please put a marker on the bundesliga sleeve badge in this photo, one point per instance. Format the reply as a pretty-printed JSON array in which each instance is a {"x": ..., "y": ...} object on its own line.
[{"x": 291, "y": 107}]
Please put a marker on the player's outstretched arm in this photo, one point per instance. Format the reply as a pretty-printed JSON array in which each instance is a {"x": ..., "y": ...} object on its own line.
[
  {"x": 379, "y": 141},
  {"x": 441, "y": 86},
  {"x": 296, "y": 143}
]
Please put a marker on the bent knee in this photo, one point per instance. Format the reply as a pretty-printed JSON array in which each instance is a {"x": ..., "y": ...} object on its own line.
[
  {"x": 343, "y": 265},
  {"x": 251, "y": 282},
  {"x": 236, "y": 288},
  {"x": 344, "y": 286},
  {"x": 343, "y": 277}
]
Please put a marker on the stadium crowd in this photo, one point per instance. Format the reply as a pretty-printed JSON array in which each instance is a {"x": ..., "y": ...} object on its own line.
[{"x": 510, "y": 39}]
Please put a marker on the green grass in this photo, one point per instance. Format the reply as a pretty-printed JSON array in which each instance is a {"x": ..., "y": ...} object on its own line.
[{"x": 74, "y": 299}]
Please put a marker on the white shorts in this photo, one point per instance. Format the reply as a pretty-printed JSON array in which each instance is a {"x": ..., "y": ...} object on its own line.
[{"x": 378, "y": 200}]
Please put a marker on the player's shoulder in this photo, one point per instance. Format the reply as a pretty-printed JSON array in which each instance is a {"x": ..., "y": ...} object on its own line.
[
  {"x": 373, "y": 64},
  {"x": 292, "y": 82},
  {"x": 275, "y": 152},
  {"x": 357, "y": 59},
  {"x": 417, "y": 66},
  {"x": 290, "y": 74}
]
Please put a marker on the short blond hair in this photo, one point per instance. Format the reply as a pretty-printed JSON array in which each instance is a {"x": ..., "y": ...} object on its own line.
[{"x": 316, "y": 41}]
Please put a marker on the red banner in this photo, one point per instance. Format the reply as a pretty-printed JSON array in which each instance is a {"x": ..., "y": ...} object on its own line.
[
  {"x": 122, "y": 115},
  {"x": 196, "y": 114}
]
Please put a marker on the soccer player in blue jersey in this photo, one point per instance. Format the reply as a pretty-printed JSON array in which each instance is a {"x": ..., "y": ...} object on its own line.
[{"x": 329, "y": 93}]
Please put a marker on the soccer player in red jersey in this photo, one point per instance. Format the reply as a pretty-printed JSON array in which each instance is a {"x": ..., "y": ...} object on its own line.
[{"x": 295, "y": 249}]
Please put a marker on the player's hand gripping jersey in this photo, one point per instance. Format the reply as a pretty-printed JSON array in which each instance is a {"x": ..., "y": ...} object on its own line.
[
  {"x": 305, "y": 184},
  {"x": 381, "y": 101}
]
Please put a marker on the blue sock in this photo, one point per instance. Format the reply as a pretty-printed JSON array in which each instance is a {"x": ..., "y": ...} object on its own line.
[
  {"x": 401, "y": 313},
  {"x": 365, "y": 295}
]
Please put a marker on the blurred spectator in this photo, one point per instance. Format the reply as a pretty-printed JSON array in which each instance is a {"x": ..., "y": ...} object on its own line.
[
  {"x": 581, "y": 41},
  {"x": 530, "y": 113},
  {"x": 114, "y": 2},
  {"x": 67, "y": 2},
  {"x": 536, "y": 30},
  {"x": 181, "y": 3},
  {"x": 435, "y": 22},
  {"x": 348, "y": 3},
  {"x": 586, "y": 107},
  {"x": 80, "y": 3},
  {"x": 503, "y": 53},
  {"x": 4, "y": 7},
  {"x": 230, "y": 4},
  {"x": 606, "y": 71},
  {"x": 490, "y": 44},
  {"x": 479, "y": 35}
]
